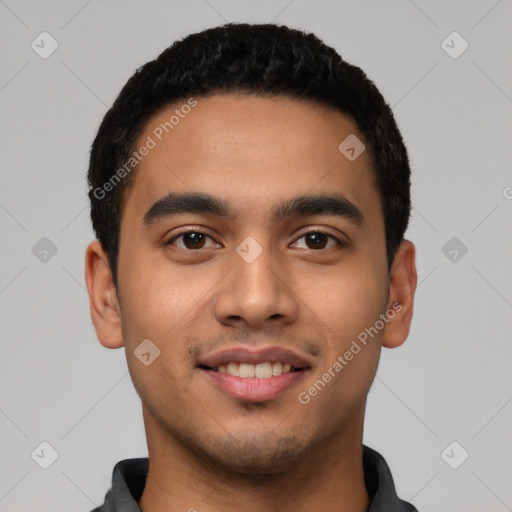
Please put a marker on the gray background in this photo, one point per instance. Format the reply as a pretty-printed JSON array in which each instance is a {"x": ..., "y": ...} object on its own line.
[{"x": 451, "y": 380}]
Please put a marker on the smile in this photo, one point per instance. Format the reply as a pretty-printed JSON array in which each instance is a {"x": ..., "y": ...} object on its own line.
[{"x": 255, "y": 374}]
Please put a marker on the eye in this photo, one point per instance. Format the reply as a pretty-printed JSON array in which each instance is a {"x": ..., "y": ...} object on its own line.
[
  {"x": 191, "y": 239},
  {"x": 194, "y": 239},
  {"x": 318, "y": 240}
]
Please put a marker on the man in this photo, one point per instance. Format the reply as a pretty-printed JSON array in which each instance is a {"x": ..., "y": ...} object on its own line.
[{"x": 250, "y": 191}]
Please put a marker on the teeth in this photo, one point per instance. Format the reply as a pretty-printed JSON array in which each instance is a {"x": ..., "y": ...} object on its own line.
[
  {"x": 277, "y": 369},
  {"x": 232, "y": 369},
  {"x": 246, "y": 370},
  {"x": 261, "y": 371}
]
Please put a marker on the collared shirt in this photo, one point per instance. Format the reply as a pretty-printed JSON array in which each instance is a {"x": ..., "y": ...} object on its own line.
[{"x": 129, "y": 479}]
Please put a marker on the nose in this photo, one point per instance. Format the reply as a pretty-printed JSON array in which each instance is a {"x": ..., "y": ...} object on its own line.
[{"x": 257, "y": 293}]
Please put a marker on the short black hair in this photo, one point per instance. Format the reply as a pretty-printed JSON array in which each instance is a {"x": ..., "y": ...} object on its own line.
[{"x": 259, "y": 59}]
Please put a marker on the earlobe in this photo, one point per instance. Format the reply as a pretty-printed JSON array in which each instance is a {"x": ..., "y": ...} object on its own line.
[
  {"x": 403, "y": 280},
  {"x": 104, "y": 305}
]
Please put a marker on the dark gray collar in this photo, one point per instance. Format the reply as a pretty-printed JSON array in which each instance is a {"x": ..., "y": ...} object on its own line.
[
  {"x": 380, "y": 486},
  {"x": 129, "y": 479}
]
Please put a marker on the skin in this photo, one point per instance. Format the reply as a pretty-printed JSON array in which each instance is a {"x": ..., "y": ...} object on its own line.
[{"x": 207, "y": 450}]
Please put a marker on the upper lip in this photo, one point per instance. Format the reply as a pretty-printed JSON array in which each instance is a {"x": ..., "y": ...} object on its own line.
[{"x": 255, "y": 356}]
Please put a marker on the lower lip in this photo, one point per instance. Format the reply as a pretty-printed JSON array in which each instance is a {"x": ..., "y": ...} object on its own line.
[{"x": 252, "y": 389}]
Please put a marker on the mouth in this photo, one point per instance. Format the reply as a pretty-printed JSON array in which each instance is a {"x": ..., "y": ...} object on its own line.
[{"x": 254, "y": 375}]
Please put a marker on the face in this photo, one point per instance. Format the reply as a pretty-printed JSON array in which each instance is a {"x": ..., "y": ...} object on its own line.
[{"x": 246, "y": 280}]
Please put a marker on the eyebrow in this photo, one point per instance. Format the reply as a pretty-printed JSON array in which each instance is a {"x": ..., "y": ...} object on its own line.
[{"x": 196, "y": 202}]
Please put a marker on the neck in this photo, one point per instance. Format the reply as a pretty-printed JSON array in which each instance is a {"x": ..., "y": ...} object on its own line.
[{"x": 331, "y": 479}]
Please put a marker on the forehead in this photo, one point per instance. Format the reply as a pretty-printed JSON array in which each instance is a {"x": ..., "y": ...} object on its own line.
[{"x": 251, "y": 149}]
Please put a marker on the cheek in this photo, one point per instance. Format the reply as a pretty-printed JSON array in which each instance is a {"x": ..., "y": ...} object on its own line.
[
  {"x": 156, "y": 299},
  {"x": 351, "y": 353},
  {"x": 349, "y": 306},
  {"x": 347, "y": 300},
  {"x": 155, "y": 307},
  {"x": 160, "y": 304}
]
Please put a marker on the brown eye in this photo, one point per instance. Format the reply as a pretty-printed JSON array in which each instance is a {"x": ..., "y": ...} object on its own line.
[
  {"x": 319, "y": 240},
  {"x": 191, "y": 240}
]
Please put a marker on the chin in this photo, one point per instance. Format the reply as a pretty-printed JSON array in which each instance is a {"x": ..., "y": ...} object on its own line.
[{"x": 251, "y": 460}]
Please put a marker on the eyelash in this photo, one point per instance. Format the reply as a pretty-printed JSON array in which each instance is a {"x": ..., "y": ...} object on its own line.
[{"x": 199, "y": 231}]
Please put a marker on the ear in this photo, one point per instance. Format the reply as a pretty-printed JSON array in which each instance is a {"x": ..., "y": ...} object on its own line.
[
  {"x": 403, "y": 280},
  {"x": 104, "y": 305}
]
